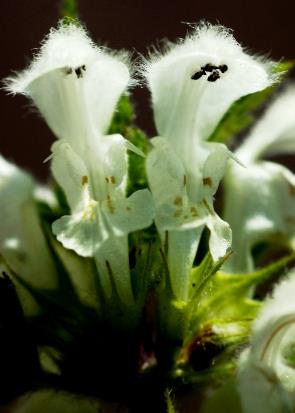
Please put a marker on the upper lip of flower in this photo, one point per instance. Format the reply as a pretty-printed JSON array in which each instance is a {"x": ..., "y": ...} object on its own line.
[
  {"x": 64, "y": 81},
  {"x": 76, "y": 86},
  {"x": 185, "y": 103}
]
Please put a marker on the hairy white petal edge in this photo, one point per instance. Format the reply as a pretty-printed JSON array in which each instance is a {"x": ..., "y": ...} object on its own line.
[{"x": 266, "y": 377}]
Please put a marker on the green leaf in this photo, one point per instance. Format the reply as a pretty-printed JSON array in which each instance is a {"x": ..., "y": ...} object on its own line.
[
  {"x": 49, "y": 214},
  {"x": 69, "y": 10},
  {"x": 122, "y": 123},
  {"x": 227, "y": 298},
  {"x": 169, "y": 402},
  {"x": 137, "y": 174},
  {"x": 123, "y": 117},
  {"x": 255, "y": 278},
  {"x": 141, "y": 257},
  {"x": 61, "y": 198},
  {"x": 219, "y": 315},
  {"x": 241, "y": 114},
  {"x": 202, "y": 275},
  {"x": 283, "y": 68}
]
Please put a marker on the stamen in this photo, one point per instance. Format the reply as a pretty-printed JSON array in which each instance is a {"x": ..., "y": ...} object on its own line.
[
  {"x": 205, "y": 202},
  {"x": 223, "y": 68},
  {"x": 177, "y": 213},
  {"x": 194, "y": 212},
  {"x": 214, "y": 76},
  {"x": 198, "y": 75},
  {"x": 209, "y": 67},
  {"x": 84, "y": 180},
  {"x": 110, "y": 205},
  {"x": 207, "y": 181},
  {"x": 178, "y": 201},
  {"x": 79, "y": 71},
  {"x": 68, "y": 70}
]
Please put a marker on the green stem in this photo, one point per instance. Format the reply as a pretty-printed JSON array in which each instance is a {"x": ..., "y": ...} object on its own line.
[
  {"x": 69, "y": 9},
  {"x": 169, "y": 401}
]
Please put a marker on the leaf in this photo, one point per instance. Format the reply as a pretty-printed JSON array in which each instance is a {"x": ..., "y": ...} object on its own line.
[
  {"x": 228, "y": 297},
  {"x": 257, "y": 277},
  {"x": 123, "y": 117},
  {"x": 169, "y": 402},
  {"x": 137, "y": 175},
  {"x": 69, "y": 10},
  {"x": 122, "y": 123},
  {"x": 241, "y": 114},
  {"x": 203, "y": 274}
]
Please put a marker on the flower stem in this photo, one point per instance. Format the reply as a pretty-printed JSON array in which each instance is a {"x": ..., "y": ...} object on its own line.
[{"x": 69, "y": 9}]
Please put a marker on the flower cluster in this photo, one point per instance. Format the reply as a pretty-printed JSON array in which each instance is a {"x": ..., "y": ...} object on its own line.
[{"x": 166, "y": 238}]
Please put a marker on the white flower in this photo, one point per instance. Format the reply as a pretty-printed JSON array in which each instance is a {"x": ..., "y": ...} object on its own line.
[
  {"x": 76, "y": 87},
  {"x": 22, "y": 243},
  {"x": 266, "y": 377},
  {"x": 260, "y": 198},
  {"x": 192, "y": 86}
]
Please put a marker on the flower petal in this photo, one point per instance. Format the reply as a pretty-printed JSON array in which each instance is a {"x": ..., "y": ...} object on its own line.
[
  {"x": 131, "y": 214},
  {"x": 198, "y": 79},
  {"x": 84, "y": 231},
  {"x": 70, "y": 172},
  {"x": 275, "y": 132},
  {"x": 214, "y": 167},
  {"x": 168, "y": 181},
  {"x": 22, "y": 242},
  {"x": 261, "y": 390},
  {"x": 259, "y": 203},
  {"x": 182, "y": 248},
  {"x": 175, "y": 190},
  {"x": 69, "y": 80},
  {"x": 114, "y": 162},
  {"x": 112, "y": 261},
  {"x": 220, "y": 236},
  {"x": 265, "y": 375}
]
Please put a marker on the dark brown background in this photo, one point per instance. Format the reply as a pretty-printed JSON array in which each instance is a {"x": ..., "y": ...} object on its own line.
[{"x": 262, "y": 25}]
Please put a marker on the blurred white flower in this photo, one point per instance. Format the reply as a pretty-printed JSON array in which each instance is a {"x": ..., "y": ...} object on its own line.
[
  {"x": 76, "y": 86},
  {"x": 266, "y": 374},
  {"x": 193, "y": 85},
  {"x": 22, "y": 243},
  {"x": 260, "y": 198}
]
